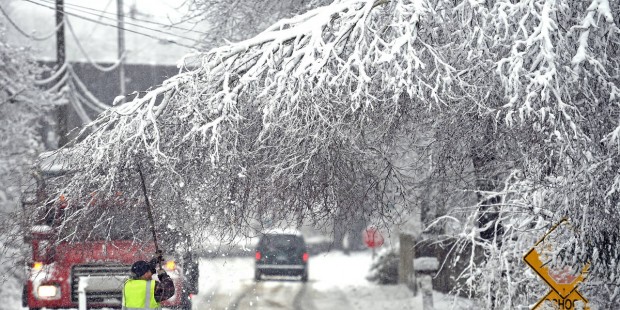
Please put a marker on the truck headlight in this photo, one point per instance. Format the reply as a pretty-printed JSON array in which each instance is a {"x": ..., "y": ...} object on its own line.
[
  {"x": 48, "y": 291},
  {"x": 36, "y": 266},
  {"x": 170, "y": 265}
]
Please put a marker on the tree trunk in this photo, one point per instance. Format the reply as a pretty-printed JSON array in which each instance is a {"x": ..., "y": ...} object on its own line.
[{"x": 487, "y": 177}]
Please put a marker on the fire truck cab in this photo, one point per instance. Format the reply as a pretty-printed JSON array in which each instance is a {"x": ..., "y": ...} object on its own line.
[{"x": 85, "y": 252}]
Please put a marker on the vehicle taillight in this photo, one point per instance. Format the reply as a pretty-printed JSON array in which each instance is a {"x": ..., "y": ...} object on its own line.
[
  {"x": 258, "y": 255},
  {"x": 305, "y": 257}
]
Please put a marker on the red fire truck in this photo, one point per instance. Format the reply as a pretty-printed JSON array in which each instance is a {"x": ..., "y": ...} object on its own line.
[{"x": 90, "y": 248}]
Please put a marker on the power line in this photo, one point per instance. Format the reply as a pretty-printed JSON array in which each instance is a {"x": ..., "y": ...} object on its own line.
[
  {"x": 105, "y": 9},
  {"x": 81, "y": 48},
  {"x": 114, "y": 26},
  {"x": 133, "y": 24},
  {"x": 43, "y": 38},
  {"x": 100, "y": 13}
]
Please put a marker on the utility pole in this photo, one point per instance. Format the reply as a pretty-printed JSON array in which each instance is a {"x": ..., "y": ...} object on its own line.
[
  {"x": 63, "y": 109},
  {"x": 121, "y": 46}
]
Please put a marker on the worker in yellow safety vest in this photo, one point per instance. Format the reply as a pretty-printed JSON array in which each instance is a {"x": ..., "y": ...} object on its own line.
[{"x": 141, "y": 291}]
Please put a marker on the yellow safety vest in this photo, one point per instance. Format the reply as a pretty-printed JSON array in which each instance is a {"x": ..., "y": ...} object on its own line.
[{"x": 139, "y": 294}]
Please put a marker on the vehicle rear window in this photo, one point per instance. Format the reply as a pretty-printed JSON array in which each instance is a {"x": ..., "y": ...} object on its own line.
[{"x": 281, "y": 241}]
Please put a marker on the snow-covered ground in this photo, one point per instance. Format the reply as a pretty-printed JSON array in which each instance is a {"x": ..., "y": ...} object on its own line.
[{"x": 337, "y": 281}]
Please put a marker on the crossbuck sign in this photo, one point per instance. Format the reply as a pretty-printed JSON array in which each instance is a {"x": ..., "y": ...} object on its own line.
[{"x": 564, "y": 294}]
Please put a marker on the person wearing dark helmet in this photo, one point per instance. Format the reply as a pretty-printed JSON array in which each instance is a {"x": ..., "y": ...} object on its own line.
[{"x": 141, "y": 291}]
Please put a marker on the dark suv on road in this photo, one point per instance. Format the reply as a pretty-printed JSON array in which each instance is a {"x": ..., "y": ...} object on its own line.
[{"x": 281, "y": 254}]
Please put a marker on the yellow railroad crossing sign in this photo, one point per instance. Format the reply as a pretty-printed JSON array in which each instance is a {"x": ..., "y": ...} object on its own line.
[{"x": 563, "y": 294}]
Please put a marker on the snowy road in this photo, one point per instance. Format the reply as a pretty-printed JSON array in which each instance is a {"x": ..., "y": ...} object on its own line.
[
  {"x": 266, "y": 295},
  {"x": 336, "y": 281}
]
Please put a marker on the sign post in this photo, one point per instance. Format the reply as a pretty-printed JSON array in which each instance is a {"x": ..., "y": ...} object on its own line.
[
  {"x": 373, "y": 239},
  {"x": 564, "y": 293}
]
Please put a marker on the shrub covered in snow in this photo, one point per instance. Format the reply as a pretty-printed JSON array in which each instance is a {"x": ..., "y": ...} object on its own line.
[{"x": 384, "y": 268}]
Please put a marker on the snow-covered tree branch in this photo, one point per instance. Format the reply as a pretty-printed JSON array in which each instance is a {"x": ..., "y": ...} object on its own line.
[
  {"x": 233, "y": 21},
  {"x": 278, "y": 106},
  {"x": 307, "y": 118}
]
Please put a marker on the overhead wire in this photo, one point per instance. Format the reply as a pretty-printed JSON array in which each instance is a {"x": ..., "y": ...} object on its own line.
[
  {"x": 115, "y": 26},
  {"x": 102, "y": 12},
  {"x": 53, "y": 77},
  {"x": 43, "y": 38},
  {"x": 77, "y": 105},
  {"x": 87, "y": 93},
  {"x": 92, "y": 63},
  {"x": 126, "y": 22},
  {"x": 88, "y": 103},
  {"x": 59, "y": 85},
  {"x": 66, "y": 78},
  {"x": 105, "y": 9}
]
